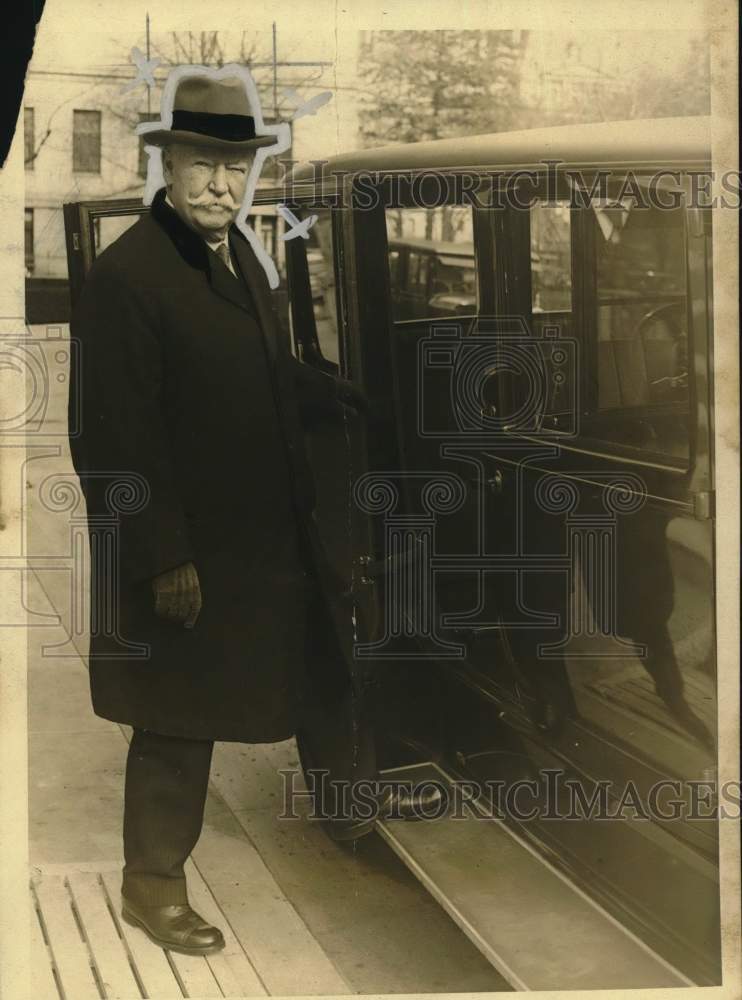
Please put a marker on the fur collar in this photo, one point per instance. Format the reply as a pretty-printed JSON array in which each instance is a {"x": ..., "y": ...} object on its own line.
[{"x": 189, "y": 244}]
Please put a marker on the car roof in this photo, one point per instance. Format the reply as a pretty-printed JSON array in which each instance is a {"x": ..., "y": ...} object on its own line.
[{"x": 652, "y": 140}]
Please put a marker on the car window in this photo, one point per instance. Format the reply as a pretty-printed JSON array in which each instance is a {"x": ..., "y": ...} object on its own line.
[
  {"x": 640, "y": 331},
  {"x": 550, "y": 235},
  {"x": 431, "y": 262},
  {"x": 281, "y": 304},
  {"x": 108, "y": 228},
  {"x": 417, "y": 273},
  {"x": 395, "y": 264},
  {"x": 267, "y": 225},
  {"x": 551, "y": 263},
  {"x": 307, "y": 296},
  {"x": 322, "y": 283}
]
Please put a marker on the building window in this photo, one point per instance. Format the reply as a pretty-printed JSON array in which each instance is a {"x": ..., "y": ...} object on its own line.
[
  {"x": 86, "y": 141},
  {"x": 28, "y": 240},
  {"x": 29, "y": 138},
  {"x": 145, "y": 116}
]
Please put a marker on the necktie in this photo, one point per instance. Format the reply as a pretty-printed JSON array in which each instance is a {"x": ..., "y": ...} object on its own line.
[{"x": 222, "y": 252}]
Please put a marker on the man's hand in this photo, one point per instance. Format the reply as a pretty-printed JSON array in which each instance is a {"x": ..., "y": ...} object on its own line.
[{"x": 178, "y": 595}]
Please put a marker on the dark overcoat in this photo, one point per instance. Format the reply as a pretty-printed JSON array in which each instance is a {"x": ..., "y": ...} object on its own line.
[{"x": 191, "y": 449}]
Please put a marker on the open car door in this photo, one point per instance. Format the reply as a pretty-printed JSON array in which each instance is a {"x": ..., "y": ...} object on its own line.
[{"x": 91, "y": 226}]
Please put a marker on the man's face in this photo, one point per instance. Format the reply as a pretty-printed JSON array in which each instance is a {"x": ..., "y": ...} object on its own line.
[{"x": 206, "y": 186}]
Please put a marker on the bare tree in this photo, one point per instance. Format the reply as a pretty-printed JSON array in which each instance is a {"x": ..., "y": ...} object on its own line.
[{"x": 212, "y": 48}]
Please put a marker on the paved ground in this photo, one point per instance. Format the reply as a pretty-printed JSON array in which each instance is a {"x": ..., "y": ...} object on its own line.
[{"x": 308, "y": 916}]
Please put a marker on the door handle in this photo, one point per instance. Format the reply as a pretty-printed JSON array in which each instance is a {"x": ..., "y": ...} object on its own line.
[
  {"x": 351, "y": 395},
  {"x": 494, "y": 483}
]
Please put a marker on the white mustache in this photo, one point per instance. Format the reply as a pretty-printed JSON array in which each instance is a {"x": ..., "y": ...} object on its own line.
[{"x": 199, "y": 203}]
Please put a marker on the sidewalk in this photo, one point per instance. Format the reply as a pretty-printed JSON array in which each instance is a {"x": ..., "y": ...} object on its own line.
[
  {"x": 301, "y": 914},
  {"x": 76, "y": 763}
]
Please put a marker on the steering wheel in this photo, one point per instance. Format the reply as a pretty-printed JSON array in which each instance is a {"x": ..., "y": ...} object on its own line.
[{"x": 671, "y": 316}]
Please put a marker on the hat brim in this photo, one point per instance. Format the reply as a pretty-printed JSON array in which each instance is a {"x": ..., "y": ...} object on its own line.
[{"x": 164, "y": 137}]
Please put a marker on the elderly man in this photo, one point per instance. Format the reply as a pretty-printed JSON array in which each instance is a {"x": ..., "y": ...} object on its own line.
[{"x": 189, "y": 393}]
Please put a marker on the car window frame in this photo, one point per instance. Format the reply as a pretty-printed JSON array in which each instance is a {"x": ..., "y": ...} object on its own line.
[
  {"x": 513, "y": 296},
  {"x": 585, "y": 245},
  {"x": 303, "y": 319},
  {"x": 477, "y": 199},
  {"x": 80, "y": 220}
]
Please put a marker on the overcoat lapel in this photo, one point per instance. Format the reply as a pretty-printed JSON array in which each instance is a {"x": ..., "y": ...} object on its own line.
[
  {"x": 193, "y": 249},
  {"x": 252, "y": 295},
  {"x": 256, "y": 281},
  {"x": 225, "y": 284}
]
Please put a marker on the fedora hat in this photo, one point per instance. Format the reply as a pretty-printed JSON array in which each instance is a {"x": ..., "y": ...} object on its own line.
[{"x": 209, "y": 112}]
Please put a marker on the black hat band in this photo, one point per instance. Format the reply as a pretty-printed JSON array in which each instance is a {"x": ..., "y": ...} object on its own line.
[{"x": 232, "y": 128}]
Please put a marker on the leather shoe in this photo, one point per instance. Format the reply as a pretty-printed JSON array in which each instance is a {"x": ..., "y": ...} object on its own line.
[
  {"x": 176, "y": 927},
  {"x": 343, "y": 830},
  {"x": 415, "y": 803},
  {"x": 394, "y": 802}
]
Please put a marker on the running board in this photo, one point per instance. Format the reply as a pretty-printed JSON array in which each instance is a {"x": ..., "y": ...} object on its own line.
[{"x": 539, "y": 930}]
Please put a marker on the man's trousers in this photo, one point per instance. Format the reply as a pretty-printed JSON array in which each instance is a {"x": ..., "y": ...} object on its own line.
[
  {"x": 167, "y": 777},
  {"x": 166, "y": 783}
]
